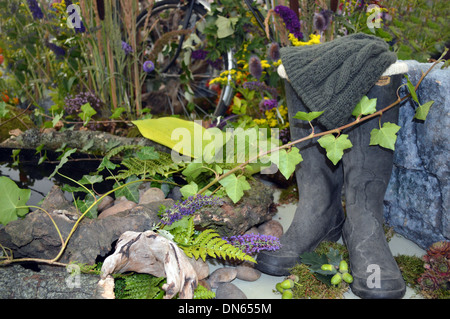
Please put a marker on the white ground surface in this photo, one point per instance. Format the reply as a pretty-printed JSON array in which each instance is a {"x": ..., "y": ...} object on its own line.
[{"x": 263, "y": 287}]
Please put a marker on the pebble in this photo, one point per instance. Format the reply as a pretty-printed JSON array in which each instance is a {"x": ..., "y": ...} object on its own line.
[
  {"x": 200, "y": 267},
  {"x": 247, "y": 272},
  {"x": 152, "y": 194},
  {"x": 222, "y": 275},
  {"x": 228, "y": 290},
  {"x": 106, "y": 203},
  {"x": 271, "y": 228},
  {"x": 121, "y": 206}
]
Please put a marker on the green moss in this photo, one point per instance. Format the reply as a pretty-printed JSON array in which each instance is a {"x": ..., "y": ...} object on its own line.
[{"x": 411, "y": 268}]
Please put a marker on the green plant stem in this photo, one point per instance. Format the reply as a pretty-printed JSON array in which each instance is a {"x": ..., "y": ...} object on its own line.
[{"x": 315, "y": 135}]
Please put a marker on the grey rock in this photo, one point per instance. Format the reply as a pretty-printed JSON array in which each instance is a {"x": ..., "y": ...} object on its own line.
[
  {"x": 229, "y": 291},
  {"x": 49, "y": 283},
  {"x": 222, "y": 275},
  {"x": 417, "y": 200},
  {"x": 106, "y": 203},
  {"x": 153, "y": 194}
]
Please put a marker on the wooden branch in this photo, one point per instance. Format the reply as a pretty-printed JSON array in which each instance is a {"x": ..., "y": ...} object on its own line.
[
  {"x": 94, "y": 142},
  {"x": 150, "y": 253}
]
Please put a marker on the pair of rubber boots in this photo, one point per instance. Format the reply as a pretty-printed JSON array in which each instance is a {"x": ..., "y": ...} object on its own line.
[{"x": 363, "y": 174}]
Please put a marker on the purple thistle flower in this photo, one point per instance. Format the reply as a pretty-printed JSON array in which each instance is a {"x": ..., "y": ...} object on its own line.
[
  {"x": 254, "y": 243},
  {"x": 35, "y": 9},
  {"x": 267, "y": 104},
  {"x": 74, "y": 103},
  {"x": 274, "y": 51},
  {"x": 290, "y": 20},
  {"x": 322, "y": 20},
  {"x": 188, "y": 207},
  {"x": 148, "y": 66},
  {"x": 255, "y": 67},
  {"x": 126, "y": 48}
]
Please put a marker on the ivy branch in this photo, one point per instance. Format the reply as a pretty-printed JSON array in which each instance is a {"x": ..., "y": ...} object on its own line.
[{"x": 359, "y": 119}]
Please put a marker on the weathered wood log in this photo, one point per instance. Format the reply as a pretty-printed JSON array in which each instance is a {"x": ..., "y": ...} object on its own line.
[
  {"x": 148, "y": 252},
  {"x": 94, "y": 142}
]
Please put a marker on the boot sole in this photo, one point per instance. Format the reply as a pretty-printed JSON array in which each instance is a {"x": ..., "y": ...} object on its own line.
[{"x": 281, "y": 266}]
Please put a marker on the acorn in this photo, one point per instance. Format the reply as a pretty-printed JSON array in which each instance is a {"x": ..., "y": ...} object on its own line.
[
  {"x": 343, "y": 266},
  {"x": 347, "y": 278},
  {"x": 279, "y": 288},
  {"x": 287, "y": 294},
  {"x": 327, "y": 267},
  {"x": 287, "y": 284},
  {"x": 336, "y": 279}
]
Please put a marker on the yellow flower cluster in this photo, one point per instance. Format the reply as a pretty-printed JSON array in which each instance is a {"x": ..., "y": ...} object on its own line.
[
  {"x": 236, "y": 75},
  {"x": 313, "y": 39},
  {"x": 272, "y": 118}
]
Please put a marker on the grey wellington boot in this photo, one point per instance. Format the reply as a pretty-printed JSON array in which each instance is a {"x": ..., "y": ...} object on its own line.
[
  {"x": 319, "y": 215},
  {"x": 367, "y": 170}
]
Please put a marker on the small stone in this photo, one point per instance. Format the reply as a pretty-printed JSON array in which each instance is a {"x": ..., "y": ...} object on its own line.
[
  {"x": 153, "y": 194},
  {"x": 201, "y": 268},
  {"x": 222, "y": 275},
  {"x": 252, "y": 230},
  {"x": 175, "y": 194},
  {"x": 247, "y": 272},
  {"x": 117, "y": 208},
  {"x": 271, "y": 228},
  {"x": 229, "y": 291},
  {"x": 106, "y": 203}
]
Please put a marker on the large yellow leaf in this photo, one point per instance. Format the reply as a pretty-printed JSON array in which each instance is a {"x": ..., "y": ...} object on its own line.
[{"x": 185, "y": 137}]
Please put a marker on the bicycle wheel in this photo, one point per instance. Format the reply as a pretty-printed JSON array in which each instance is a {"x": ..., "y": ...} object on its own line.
[{"x": 180, "y": 84}]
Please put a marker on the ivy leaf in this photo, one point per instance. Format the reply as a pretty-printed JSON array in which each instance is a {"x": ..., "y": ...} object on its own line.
[
  {"x": 385, "y": 136},
  {"x": 335, "y": 146},
  {"x": 189, "y": 190},
  {"x": 422, "y": 111},
  {"x": 235, "y": 186},
  {"x": 106, "y": 163},
  {"x": 304, "y": 116},
  {"x": 63, "y": 160},
  {"x": 286, "y": 161},
  {"x": 411, "y": 89},
  {"x": 91, "y": 179},
  {"x": 131, "y": 192},
  {"x": 365, "y": 107},
  {"x": 86, "y": 112},
  {"x": 11, "y": 199},
  {"x": 147, "y": 153},
  {"x": 225, "y": 26}
]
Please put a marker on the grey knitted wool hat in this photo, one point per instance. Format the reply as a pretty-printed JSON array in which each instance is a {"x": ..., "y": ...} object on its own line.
[{"x": 334, "y": 76}]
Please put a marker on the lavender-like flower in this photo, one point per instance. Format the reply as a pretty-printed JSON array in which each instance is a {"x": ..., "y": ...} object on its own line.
[
  {"x": 35, "y": 9},
  {"x": 261, "y": 87},
  {"x": 290, "y": 20},
  {"x": 267, "y": 104},
  {"x": 199, "y": 54},
  {"x": 148, "y": 66},
  {"x": 74, "y": 103},
  {"x": 254, "y": 243},
  {"x": 188, "y": 207},
  {"x": 126, "y": 48},
  {"x": 57, "y": 50}
]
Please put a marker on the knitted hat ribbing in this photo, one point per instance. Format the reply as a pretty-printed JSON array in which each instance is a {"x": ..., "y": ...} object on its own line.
[{"x": 334, "y": 76}]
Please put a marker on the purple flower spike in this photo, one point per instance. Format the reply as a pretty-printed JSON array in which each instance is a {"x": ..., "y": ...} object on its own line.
[
  {"x": 290, "y": 20},
  {"x": 188, "y": 207},
  {"x": 254, "y": 243},
  {"x": 35, "y": 9}
]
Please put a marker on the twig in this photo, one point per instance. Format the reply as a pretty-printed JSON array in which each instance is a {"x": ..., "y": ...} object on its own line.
[{"x": 11, "y": 119}]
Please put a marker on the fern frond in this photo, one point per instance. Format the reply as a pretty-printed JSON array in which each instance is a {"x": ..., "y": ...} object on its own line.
[
  {"x": 135, "y": 166},
  {"x": 141, "y": 286},
  {"x": 122, "y": 148},
  {"x": 203, "y": 293},
  {"x": 209, "y": 243}
]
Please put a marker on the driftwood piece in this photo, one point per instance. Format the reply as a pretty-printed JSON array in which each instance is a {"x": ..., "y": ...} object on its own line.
[
  {"x": 148, "y": 252},
  {"x": 91, "y": 141}
]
